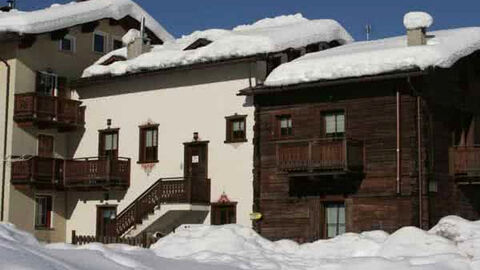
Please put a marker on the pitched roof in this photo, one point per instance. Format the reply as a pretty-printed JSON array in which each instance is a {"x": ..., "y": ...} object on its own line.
[
  {"x": 444, "y": 48},
  {"x": 264, "y": 36},
  {"x": 74, "y": 13}
]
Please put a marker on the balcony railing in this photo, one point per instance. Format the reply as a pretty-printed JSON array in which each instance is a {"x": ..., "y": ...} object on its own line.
[
  {"x": 48, "y": 111},
  {"x": 97, "y": 172},
  {"x": 87, "y": 173},
  {"x": 326, "y": 155},
  {"x": 38, "y": 171},
  {"x": 465, "y": 162}
]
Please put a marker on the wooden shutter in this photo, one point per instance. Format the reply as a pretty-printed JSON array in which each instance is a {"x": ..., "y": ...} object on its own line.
[
  {"x": 62, "y": 87},
  {"x": 45, "y": 146}
]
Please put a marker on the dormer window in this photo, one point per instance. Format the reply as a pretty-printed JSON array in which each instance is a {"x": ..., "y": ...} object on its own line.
[{"x": 201, "y": 42}]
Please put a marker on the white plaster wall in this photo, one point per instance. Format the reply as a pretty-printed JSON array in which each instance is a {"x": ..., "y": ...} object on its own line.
[{"x": 181, "y": 102}]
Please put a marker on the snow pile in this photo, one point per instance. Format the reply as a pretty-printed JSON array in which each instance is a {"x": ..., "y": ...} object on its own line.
[
  {"x": 130, "y": 36},
  {"x": 74, "y": 13},
  {"x": 415, "y": 20},
  {"x": 264, "y": 36},
  {"x": 368, "y": 58},
  {"x": 452, "y": 244}
]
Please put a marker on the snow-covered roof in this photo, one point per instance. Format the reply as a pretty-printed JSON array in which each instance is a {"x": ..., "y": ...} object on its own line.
[
  {"x": 265, "y": 36},
  {"x": 62, "y": 16},
  {"x": 367, "y": 58}
]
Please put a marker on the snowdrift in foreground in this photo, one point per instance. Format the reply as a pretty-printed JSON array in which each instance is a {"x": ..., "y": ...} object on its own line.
[{"x": 454, "y": 243}]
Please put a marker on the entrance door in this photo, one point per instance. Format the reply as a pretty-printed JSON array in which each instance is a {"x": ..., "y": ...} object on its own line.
[
  {"x": 45, "y": 146},
  {"x": 196, "y": 160},
  {"x": 105, "y": 215}
]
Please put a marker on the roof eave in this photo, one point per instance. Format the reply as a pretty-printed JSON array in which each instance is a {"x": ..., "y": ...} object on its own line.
[{"x": 262, "y": 89}]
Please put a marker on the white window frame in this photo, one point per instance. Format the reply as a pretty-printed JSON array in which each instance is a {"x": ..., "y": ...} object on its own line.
[
  {"x": 52, "y": 216},
  {"x": 105, "y": 41},
  {"x": 73, "y": 40}
]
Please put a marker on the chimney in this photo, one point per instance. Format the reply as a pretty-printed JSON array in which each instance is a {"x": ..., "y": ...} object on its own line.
[
  {"x": 417, "y": 24},
  {"x": 137, "y": 42}
]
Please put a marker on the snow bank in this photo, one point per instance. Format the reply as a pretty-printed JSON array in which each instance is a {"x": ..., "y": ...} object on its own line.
[
  {"x": 74, "y": 13},
  {"x": 368, "y": 58},
  {"x": 264, "y": 36},
  {"x": 448, "y": 246},
  {"x": 415, "y": 20}
]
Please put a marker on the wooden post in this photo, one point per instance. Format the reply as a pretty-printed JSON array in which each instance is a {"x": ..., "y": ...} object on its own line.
[{"x": 74, "y": 237}]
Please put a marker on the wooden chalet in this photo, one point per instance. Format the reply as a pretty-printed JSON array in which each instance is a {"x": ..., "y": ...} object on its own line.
[{"x": 378, "y": 151}]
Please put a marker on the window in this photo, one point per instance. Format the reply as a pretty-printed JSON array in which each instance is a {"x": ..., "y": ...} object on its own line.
[
  {"x": 99, "y": 42},
  {"x": 148, "y": 144},
  {"x": 43, "y": 212},
  {"x": 334, "y": 219},
  {"x": 285, "y": 125},
  {"x": 46, "y": 83},
  {"x": 67, "y": 44},
  {"x": 224, "y": 213},
  {"x": 108, "y": 143},
  {"x": 334, "y": 124},
  {"x": 236, "y": 128},
  {"x": 117, "y": 44}
]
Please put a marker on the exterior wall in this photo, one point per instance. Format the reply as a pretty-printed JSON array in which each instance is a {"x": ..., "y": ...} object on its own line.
[
  {"x": 42, "y": 55},
  {"x": 7, "y": 53},
  {"x": 370, "y": 115},
  {"x": 181, "y": 102}
]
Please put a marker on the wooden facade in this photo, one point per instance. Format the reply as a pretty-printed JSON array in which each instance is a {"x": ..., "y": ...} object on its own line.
[{"x": 407, "y": 155}]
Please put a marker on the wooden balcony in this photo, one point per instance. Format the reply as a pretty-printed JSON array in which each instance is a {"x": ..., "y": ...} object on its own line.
[
  {"x": 74, "y": 174},
  {"x": 40, "y": 172},
  {"x": 320, "y": 156},
  {"x": 97, "y": 173},
  {"x": 465, "y": 164},
  {"x": 48, "y": 112}
]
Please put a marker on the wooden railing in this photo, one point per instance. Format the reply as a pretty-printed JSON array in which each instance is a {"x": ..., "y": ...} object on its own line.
[
  {"x": 97, "y": 171},
  {"x": 329, "y": 154},
  {"x": 465, "y": 161},
  {"x": 48, "y": 109},
  {"x": 37, "y": 170},
  {"x": 73, "y": 173},
  {"x": 143, "y": 240},
  {"x": 165, "y": 190}
]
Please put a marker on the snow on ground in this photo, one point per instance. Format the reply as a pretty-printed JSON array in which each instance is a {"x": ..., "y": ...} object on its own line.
[
  {"x": 366, "y": 58},
  {"x": 265, "y": 36},
  {"x": 74, "y": 13},
  {"x": 452, "y": 244},
  {"x": 414, "y": 20}
]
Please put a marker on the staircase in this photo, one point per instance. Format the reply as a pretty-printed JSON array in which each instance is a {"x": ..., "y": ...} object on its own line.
[{"x": 147, "y": 208}]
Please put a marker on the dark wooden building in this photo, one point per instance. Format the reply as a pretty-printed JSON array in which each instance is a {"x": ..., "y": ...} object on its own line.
[{"x": 365, "y": 153}]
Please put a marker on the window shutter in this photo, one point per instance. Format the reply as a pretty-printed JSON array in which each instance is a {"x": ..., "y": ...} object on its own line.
[
  {"x": 229, "y": 130},
  {"x": 62, "y": 86},
  {"x": 38, "y": 81}
]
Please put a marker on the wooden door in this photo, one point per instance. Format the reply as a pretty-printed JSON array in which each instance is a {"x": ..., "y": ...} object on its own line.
[
  {"x": 196, "y": 160},
  {"x": 45, "y": 146},
  {"x": 105, "y": 215},
  {"x": 108, "y": 143}
]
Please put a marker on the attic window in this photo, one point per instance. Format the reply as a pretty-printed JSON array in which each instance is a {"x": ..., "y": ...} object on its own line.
[{"x": 201, "y": 42}]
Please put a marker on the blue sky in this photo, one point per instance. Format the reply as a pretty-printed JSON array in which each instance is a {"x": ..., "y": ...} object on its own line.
[{"x": 385, "y": 16}]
